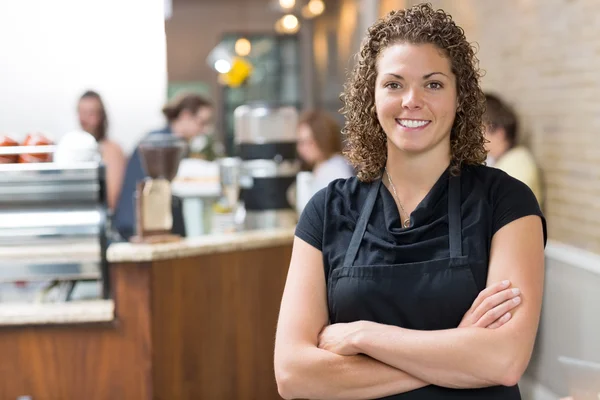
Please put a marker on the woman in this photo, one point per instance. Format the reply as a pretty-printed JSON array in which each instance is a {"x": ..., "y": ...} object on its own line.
[
  {"x": 188, "y": 116},
  {"x": 319, "y": 146},
  {"x": 422, "y": 277},
  {"x": 93, "y": 120}
]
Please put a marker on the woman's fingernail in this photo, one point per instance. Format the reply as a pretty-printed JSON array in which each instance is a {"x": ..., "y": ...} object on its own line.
[
  {"x": 505, "y": 283},
  {"x": 517, "y": 299},
  {"x": 516, "y": 290}
]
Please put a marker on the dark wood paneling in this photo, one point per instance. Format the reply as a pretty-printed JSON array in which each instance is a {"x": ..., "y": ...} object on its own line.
[
  {"x": 109, "y": 361},
  {"x": 214, "y": 320}
]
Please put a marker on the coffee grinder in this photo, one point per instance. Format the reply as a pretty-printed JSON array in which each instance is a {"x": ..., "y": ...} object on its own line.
[{"x": 160, "y": 155}]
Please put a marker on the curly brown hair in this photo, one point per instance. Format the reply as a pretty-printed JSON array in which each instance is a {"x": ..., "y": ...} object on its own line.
[{"x": 366, "y": 142}]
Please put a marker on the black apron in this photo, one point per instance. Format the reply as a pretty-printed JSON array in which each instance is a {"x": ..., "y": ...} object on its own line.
[{"x": 430, "y": 295}]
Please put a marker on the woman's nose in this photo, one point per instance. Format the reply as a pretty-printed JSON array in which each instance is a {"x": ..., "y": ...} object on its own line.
[{"x": 412, "y": 100}]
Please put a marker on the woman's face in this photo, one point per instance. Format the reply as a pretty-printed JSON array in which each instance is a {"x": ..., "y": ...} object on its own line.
[
  {"x": 415, "y": 97},
  {"x": 195, "y": 124},
  {"x": 307, "y": 147},
  {"x": 90, "y": 114}
]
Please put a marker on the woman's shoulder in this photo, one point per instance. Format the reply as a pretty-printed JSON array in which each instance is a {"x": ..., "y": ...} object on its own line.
[
  {"x": 508, "y": 197},
  {"x": 347, "y": 189},
  {"x": 112, "y": 154},
  {"x": 111, "y": 146},
  {"x": 338, "y": 161},
  {"x": 492, "y": 181},
  {"x": 341, "y": 195},
  {"x": 519, "y": 155}
]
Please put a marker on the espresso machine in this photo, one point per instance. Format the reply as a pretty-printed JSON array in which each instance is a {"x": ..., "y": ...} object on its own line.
[
  {"x": 160, "y": 155},
  {"x": 265, "y": 135}
]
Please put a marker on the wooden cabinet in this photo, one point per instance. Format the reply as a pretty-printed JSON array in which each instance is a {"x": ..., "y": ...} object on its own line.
[{"x": 200, "y": 327}]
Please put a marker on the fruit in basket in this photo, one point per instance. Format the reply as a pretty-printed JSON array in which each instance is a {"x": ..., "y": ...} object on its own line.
[
  {"x": 9, "y": 158},
  {"x": 36, "y": 139}
]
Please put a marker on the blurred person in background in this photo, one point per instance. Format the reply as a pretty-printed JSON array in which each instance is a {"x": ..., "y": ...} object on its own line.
[
  {"x": 319, "y": 147},
  {"x": 501, "y": 131},
  {"x": 93, "y": 120},
  {"x": 188, "y": 116}
]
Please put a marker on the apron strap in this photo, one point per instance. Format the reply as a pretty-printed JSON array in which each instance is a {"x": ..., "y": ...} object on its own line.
[
  {"x": 454, "y": 217},
  {"x": 361, "y": 225}
]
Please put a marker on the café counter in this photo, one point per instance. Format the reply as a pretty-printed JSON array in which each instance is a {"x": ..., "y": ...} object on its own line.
[{"x": 193, "y": 319}]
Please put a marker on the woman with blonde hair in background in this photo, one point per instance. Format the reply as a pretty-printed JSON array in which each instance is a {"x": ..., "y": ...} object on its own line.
[{"x": 422, "y": 277}]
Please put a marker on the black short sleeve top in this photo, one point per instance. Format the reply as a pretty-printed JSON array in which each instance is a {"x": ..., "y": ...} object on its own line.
[{"x": 490, "y": 199}]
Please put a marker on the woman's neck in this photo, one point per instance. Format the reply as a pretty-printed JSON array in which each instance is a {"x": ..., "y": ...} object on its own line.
[{"x": 415, "y": 175}]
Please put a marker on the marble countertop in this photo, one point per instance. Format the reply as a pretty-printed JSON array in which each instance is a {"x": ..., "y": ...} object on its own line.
[
  {"x": 189, "y": 247},
  {"x": 89, "y": 311},
  {"x": 59, "y": 252},
  {"x": 129, "y": 252}
]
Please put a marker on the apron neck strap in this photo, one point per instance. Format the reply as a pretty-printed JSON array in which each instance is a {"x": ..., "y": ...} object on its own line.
[
  {"x": 454, "y": 217},
  {"x": 361, "y": 225}
]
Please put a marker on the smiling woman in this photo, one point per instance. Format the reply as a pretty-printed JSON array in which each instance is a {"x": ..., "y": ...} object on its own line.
[{"x": 428, "y": 256}]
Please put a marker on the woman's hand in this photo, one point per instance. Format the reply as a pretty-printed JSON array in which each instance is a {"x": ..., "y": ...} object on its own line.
[
  {"x": 339, "y": 338},
  {"x": 491, "y": 309}
]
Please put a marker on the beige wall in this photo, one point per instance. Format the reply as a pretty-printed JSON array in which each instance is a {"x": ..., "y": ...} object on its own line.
[{"x": 543, "y": 57}]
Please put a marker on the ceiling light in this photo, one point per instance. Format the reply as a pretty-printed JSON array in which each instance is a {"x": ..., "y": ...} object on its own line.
[
  {"x": 289, "y": 22},
  {"x": 243, "y": 47},
  {"x": 287, "y": 4},
  {"x": 306, "y": 13},
  {"x": 316, "y": 7},
  {"x": 222, "y": 66}
]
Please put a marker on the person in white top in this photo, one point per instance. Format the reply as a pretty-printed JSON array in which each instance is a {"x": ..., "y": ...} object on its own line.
[{"x": 319, "y": 147}]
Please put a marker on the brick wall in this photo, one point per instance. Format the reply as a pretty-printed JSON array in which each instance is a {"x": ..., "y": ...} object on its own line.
[{"x": 543, "y": 57}]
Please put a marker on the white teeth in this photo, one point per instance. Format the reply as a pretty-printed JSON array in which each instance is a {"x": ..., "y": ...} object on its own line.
[{"x": 411, "y": 123}]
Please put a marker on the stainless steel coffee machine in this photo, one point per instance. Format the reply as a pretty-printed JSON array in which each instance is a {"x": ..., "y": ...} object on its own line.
[
  {"x": 53, "y": 222},
  {"x": 265, "y": 136}
]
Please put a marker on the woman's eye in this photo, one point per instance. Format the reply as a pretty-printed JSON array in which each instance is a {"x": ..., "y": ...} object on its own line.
[
  {"x": 434, "y": 85},
  {"x": 392, "y": 85}
]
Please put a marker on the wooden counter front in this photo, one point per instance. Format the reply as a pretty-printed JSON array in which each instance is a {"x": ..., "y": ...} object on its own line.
[
  {"x": 213, "y": 325},
  {"x": 84, "y": 361},
  {"x": 197, "y": 327}
]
